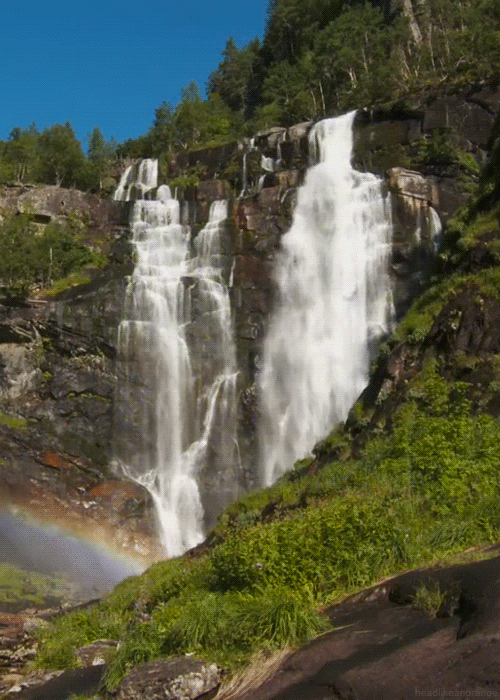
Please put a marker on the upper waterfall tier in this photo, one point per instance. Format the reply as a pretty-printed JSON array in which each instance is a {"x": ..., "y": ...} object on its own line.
[
  {"x": 138, "y": 179},
  {"x": 334, "y": 302}
]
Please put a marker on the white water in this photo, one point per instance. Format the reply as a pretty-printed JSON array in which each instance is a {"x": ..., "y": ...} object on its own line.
[
  {"x": 334, "y": 302},
  {"x": 141, "y": 178},
  {"x": 178, "y": 363}
]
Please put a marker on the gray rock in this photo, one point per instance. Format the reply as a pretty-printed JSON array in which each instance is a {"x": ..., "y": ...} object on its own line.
[
  {"x": 416, "y": 228},
  {"x": 95, "y": 653},
  {"x": 170, "y": 679}
]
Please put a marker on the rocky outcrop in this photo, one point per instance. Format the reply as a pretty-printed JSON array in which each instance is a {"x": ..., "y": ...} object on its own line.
[
  {"x": 104, "y": 222},
  {"x": 182, "y": 678},
  {"x": 57, "y": 382},
  {"x": 386, "y": 645},
  {"x": 416, "y": 233},
  {"x": 445, "y": 136}
]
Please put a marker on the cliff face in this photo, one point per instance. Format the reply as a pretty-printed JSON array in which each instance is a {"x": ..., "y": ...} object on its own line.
[{"x": 57, "y": 372}]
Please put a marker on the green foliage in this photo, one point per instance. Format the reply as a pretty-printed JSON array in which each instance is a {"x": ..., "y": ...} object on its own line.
[
  {"x": 233, "y": 78},
  {"x": 20, "y": 155},
  {"x": 437, "y": 149},
  {"x": 222, "y": 626},
  {"x": 341, "y": 543},
  {"x": 424, "y": 490},
  {"x": 61, "y": 157},
  {"x": 193, "y": 123},
  {"x": 429, "y": 598},
  {"x": 419, "y": 319},
  {"x": 189, "y": 178},
  {"x": 33, "y": 256},
  {"x": 100, "y": 155},
  {"x": 445, "y": 455},
  {"x": 490, "y": 177},
  {"x": 55, "y": 157},
  {"x": 74, "y": 279}
]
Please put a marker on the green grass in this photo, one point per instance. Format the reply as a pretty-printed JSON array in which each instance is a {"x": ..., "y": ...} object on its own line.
[
  {"x": 73, "y": 280},
  {"x": 435, "y": 602}
]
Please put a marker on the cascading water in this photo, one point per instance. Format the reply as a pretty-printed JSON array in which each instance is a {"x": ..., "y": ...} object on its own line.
[
  {"x": 136, "y": 182},
  {"x": 175, "y": 411},
  {"x": 334, "y": 302}
]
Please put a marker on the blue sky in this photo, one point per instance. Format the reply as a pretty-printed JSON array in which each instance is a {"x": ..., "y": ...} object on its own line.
[{"x": 110, "y": 63}]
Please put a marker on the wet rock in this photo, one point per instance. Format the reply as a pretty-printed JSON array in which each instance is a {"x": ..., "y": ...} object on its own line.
[
  {"x": 171, "y": 679},
  {"x": 409, "y": 183}
]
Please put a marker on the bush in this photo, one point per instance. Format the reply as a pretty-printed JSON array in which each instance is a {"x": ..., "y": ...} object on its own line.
[{"x": 446, "y": 455}]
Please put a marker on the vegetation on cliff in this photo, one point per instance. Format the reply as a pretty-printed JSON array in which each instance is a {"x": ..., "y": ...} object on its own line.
[
  {"x": 37, "y": 258},
  {"x": 55, "y": 157},
  {"x": 424, "y": 490}
]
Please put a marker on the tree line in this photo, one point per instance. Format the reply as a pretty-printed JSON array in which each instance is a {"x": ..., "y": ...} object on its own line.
[
  {"x": 324, "y": 57},
  {"x": 55, "y": 156}
]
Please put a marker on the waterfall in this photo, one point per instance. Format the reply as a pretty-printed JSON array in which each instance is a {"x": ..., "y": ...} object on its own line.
[
  {"x": 334, "y": 302},
  {"x": 175, "y": 415},
  {"x": 138, "y": 179}
]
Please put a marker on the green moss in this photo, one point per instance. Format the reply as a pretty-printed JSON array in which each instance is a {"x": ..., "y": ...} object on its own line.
[
  {"x": 419, "y": 319},
  {"x": 75, "y": 279},
  {"x": 13, "y": 422}
]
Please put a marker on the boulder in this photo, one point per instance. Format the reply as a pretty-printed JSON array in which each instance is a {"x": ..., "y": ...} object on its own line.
[{"x": 181, "y": 678}]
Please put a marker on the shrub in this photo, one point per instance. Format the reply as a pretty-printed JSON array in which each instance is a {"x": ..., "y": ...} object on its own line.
[{"x": 430, "y": 599}]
